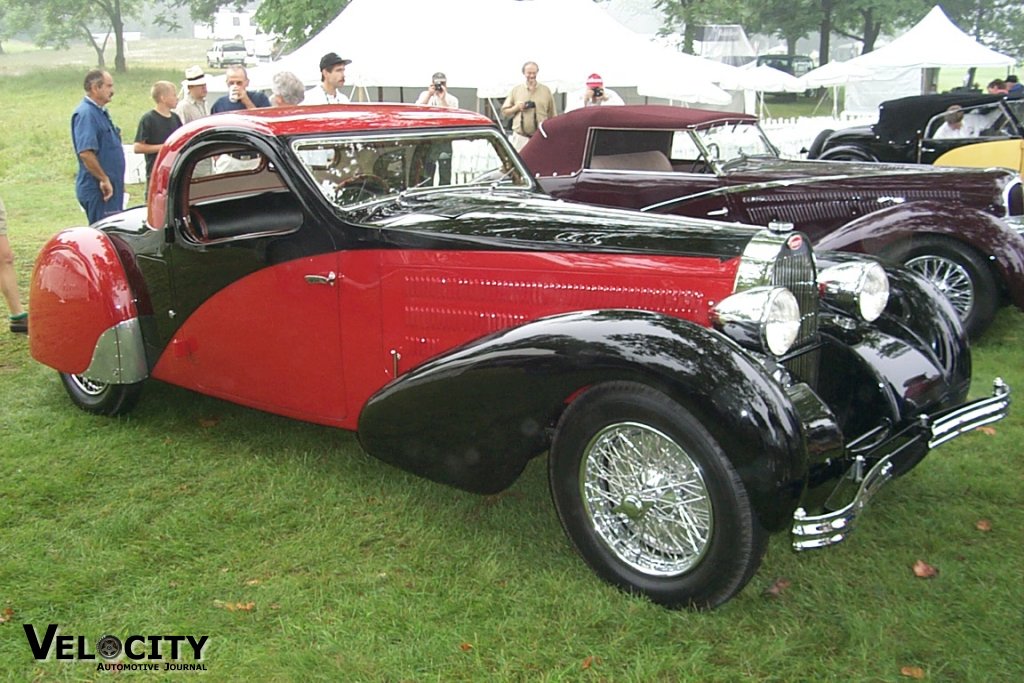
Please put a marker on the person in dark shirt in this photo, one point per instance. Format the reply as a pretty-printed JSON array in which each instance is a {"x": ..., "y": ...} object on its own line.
[
  {"x": 157, "y": 124},
  {"x": 238, "y": 97}
]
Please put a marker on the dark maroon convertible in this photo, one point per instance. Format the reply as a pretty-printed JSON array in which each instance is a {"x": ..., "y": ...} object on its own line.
[{"x": 957, "y": 227}]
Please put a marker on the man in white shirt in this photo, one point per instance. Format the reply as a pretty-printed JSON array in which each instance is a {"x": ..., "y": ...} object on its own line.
[
  {"x": 437, "y": 94},
  {"x": 332, "y": 78}
]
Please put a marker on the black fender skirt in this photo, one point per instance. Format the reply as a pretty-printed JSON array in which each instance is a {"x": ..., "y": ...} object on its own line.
[{"x": 474, "y": 417}]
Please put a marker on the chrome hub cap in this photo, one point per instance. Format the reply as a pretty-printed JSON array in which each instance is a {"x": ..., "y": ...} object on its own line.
[
  {"x": 950, "y": 278},
  {"x": 646, "y": 499},
  {"x": 88, "y": 386}
]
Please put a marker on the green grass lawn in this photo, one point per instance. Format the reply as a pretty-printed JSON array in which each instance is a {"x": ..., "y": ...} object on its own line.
[{"x": 304, "y": 559}]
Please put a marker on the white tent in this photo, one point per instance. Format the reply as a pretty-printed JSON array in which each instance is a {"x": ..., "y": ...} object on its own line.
[
  {"x": 401, "y": 43},
  {"x": 933, "y": 43}
]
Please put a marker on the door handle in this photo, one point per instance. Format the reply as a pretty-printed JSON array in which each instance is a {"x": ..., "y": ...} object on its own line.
[{"x": 322, "y": 279}]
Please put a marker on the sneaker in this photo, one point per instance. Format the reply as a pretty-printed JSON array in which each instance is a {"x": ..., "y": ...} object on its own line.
[{"x": 19, "y": 323}]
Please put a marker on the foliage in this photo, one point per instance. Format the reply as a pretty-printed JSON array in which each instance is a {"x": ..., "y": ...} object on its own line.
[
  {"x": 295, "y": 21},
  {"x": 61, "y": 21},
  {"x": 997, "y": 23}
]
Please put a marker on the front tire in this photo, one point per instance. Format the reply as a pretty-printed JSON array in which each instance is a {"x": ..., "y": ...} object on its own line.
[
  {"x": 961, "y": 275},
  {"x": 650, "y": 500},
  {"x": 847, "y": 153},
  {"x": 100, "y": 398}
]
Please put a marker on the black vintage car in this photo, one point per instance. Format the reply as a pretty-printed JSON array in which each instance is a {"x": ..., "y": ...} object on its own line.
[{"x": 909, "y": 131}]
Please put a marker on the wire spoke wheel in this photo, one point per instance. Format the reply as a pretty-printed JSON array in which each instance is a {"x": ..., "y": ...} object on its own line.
[
  {"x": 950, "y": 278},
  {"x": 646, "y": 498}
]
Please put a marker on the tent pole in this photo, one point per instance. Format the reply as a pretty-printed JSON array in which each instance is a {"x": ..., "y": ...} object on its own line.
[
  {"x": 401, "y": 94},
  {"x": 497, "y": 116}
]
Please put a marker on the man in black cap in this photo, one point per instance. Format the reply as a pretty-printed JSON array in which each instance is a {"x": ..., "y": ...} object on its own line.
[{"x": 332, "y": 77}]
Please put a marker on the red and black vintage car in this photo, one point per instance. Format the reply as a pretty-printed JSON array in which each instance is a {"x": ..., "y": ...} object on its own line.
[
  {"x": 955, "y": 226},
  {"x": 395, "y": 271}
]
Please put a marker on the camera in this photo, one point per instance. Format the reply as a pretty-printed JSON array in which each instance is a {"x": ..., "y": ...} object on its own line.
[
  {"x": 438, "y": 85},
  {"x": 529, "y": 104},
  {"x": 598, "y": 92}
]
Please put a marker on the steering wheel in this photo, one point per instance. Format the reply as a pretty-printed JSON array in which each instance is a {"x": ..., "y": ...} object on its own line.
[
  {"x": 699, "y": 166},
  {"x": 359, "y": 186},
  {"x": 714, "y": 151}
]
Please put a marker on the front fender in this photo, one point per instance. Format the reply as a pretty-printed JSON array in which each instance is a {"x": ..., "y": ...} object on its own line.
[
  {"x": 474, "y": 417},
  {"x": 887, "y": 231},
  {"x": 85, "y": 318}
]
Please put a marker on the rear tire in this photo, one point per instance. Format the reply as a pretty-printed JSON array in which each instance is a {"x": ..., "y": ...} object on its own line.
[
  {"x": 650, "y": 500},
  {"x": 848, "y": 153},
  {"x": 961, "y": 274},
  {"x": 814, "y": 151},
  {"x": 100, "y": 398}
]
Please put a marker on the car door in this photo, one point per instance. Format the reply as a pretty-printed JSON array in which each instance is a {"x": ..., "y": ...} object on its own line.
[{"x": 256, "y": 290}]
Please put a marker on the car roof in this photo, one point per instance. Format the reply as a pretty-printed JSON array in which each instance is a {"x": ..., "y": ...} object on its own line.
[
  {"x": 332, "y": 118},
  {"x": 902, "y": 119},
  {"x": 560, "y": 145}
]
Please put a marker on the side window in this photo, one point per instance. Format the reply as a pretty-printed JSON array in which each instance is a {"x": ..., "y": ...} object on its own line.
[
  {"x": 233, "y": 193},
  {"x": 631, "y": 150},
  {"x": 982, "y": 121}
]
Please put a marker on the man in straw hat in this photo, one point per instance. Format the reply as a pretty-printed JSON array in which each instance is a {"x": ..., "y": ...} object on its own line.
[{"x": 193, "y": 97}]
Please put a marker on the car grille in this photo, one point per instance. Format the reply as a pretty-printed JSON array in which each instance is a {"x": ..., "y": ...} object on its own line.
[
  {"x": 795, "y": 270},
  {"x": 787, "y": 260}
]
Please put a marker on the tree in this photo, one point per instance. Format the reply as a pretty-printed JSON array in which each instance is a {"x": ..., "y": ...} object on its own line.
[
  {"x": 60, "y": 21},
  {"x": 293, "y": 20}
]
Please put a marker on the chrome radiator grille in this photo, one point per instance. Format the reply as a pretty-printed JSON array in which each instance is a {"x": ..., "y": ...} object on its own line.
[
  {"x": 786, "y": 260},
  {"x": 794, "y": 269}
]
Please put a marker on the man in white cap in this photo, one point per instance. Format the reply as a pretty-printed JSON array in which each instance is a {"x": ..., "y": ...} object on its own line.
[
  {"x": 594, "y": 94},
  {"x": 332, "y": 77},
  {"x": 193, "y": 102}
]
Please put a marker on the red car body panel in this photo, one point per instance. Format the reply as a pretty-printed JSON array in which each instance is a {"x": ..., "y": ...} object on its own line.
[
  {"x": 250, "y": 343},
  {"x": 81, "y": 278}
]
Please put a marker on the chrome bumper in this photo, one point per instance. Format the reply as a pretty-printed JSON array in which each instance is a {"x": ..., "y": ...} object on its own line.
[{"x": 820, "y": 531}]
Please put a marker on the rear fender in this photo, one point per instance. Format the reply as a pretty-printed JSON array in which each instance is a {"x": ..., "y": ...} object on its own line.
[
  {"x": 888, "y": 231},
  {"x": 474, "y": 417},
  {"x": 85, "y": 318}
]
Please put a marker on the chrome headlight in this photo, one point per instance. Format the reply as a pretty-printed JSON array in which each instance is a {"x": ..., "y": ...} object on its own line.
[
  {"x": 765, "y": 319},
  {"x": 861, "y": 289}
]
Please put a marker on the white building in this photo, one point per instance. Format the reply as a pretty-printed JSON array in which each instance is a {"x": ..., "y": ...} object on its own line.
[{"x": 230, "y": 24}]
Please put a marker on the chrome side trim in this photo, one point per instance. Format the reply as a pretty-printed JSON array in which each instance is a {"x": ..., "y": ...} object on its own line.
[
  {"x": 120, "y": 355},
  {"x": 820, "y": 531}
]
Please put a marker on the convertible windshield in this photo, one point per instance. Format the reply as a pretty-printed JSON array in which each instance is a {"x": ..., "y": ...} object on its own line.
[
  {"x": 729, "y": 141},
  {"x": 353, "y": 170}
]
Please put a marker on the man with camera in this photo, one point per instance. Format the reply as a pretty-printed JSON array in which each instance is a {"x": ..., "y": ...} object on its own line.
[
  {"x": 593, "y": 95},
  {"x": 529, "y": 104},
  {"x": 437, "y": 94},
  {"x": 440, "y": 154}
]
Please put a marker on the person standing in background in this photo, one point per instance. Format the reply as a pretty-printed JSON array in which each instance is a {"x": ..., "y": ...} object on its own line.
[
  {"x": 193, "y": 97},
  {"x": 529, "y": 104},
  {"x": 17, "y": 318},
  {"x": 332, "y": 78},
  {"x": 239, "y": 97},
  {"x": 99, "y": 185},
  {"x": 157, "y": 124}
]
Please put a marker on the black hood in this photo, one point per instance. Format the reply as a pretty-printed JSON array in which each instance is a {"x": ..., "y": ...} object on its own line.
[{"x": 502, "y": 219}]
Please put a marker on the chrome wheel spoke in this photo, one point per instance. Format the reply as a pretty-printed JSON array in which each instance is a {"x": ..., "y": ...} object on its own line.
[
  {"x": 950, "y": 278},
  {"x": 646, "y": 499}
]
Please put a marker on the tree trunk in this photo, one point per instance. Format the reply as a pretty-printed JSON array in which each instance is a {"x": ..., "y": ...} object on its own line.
[
  {"x": 101, "y": 62},
  {"x": 120, "y": 65},
  {"x": 869, "y": 30},
  {"x": 826, "y": 32}
]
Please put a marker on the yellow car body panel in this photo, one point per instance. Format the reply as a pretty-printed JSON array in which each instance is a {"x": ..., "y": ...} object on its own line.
[{"x": 1005, "y": 153}]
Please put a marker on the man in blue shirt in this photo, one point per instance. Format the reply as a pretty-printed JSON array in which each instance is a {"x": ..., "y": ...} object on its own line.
[
  {"x": 238, "y": 98},
  {"x": 99, "y": 185}
]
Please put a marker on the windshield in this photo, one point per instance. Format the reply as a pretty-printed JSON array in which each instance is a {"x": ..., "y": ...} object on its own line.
[
  {"x": 353, "y": 170},
  {"x": 734, "y": 141}
]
